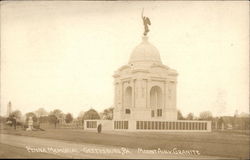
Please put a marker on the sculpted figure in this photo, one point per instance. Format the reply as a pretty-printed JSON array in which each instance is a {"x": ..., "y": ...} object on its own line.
[{"x": 146, "y": 22}]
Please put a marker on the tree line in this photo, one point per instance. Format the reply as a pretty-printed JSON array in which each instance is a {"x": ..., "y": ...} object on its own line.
[{"x": 55, "y": 116}]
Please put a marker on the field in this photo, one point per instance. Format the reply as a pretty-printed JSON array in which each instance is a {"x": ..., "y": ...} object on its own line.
[{"x": 221, "y": 144}]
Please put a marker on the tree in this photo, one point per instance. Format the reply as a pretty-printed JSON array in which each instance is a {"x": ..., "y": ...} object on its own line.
[
  {"x": 220, "y": 123},
  {"x": 206, "y": 115},
  {"x": 17, "y": 114},
  {"x": 108, "y": 113},
  {"x": 41, "y": 112},
  {"x": 91, "y": 114},
  {"x": 55, "y": 116},
  {"x": 80, "y": 117},
  {"x": 190, "y": 116},
  {"x": 53, "y": 119},
  {"x": 81, "y": 114},
  {"x": 68, "y": 118},
  {"x": 2, "y": 119},
  {"x": 179, "y": 115},
  {"x": 31, "y": 114},
  {"x": 43, "y": 119},
  {"x": 14, "y": 117},
  {"x": 57, "y": 112}
]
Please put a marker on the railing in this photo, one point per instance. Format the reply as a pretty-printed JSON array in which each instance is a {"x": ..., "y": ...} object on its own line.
[
  {"x": 62, "y": 126},
  {"x": 120, "y": 124},
  {"x": 162, "y": 125}
]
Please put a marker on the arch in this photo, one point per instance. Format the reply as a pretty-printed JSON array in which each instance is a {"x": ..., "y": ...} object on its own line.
[
  {"x": 156, "y": 97},
  {"x": 128, "y": 97}
]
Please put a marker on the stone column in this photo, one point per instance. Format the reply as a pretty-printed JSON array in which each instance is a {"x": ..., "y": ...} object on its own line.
[
  {"x": 116, "y": 93},
  {"x": 216, "y": 125},
  {"x": 167, "y": 101},
  {"x": 133, "y": 93},
  {"x": 139, "y": 92},
  {"x": 146, "y": 95},
  {"x": 120, "y": 103},
  {"x": 164, "y": 95},
  {"x": 149, "y": 81},
  {"x": 175, "y": 93}
]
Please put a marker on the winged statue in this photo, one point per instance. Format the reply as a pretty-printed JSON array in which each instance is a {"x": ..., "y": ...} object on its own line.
[{"x": 146, "y": 22}]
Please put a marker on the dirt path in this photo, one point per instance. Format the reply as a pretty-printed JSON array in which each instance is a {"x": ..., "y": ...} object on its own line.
[{"x": 68, "y": 149}]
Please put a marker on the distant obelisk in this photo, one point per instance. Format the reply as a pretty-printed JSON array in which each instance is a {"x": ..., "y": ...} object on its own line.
[{"x": 9, "y": 109}]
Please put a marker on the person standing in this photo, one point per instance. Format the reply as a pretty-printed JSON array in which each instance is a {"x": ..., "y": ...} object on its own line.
[
  {"x": 99, "y": 128},
  {"x": 14, "y": 122}
]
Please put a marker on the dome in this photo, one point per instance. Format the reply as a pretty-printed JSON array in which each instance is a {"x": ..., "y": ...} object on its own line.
[{"x": 145, "y": 52}]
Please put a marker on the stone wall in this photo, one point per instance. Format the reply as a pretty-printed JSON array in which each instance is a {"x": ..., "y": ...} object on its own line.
[{"x": 149, "y": 126}]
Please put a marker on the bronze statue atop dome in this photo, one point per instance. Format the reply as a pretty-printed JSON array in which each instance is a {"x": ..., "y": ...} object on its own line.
[{"x": 146, "y": 22}]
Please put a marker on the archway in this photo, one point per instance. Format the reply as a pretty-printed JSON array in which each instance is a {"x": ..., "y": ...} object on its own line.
[
  {"x": 128, "y": 97},
  {"x": 156, "y": 97}
]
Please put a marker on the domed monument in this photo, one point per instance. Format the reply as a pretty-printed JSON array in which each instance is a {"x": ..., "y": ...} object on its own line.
[
  {"x": 145, "y": 88},
  {"x": 145, "y": 94}
]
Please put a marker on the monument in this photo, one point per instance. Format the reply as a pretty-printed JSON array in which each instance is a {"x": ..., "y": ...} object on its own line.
[
  {"x": 30, "y": 124},
  {"x": 9, "y": 109},
  {"x": 145, "y": 94},
  {"x": 145, "y": 88}
]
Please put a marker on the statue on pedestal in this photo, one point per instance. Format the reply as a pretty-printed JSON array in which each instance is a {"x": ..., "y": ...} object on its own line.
[
  {"x": 30, "y": 124},
  {"x": 146, "y": 22}
]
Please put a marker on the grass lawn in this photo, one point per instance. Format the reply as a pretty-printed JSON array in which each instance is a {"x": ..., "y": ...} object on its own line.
[{"x": 222, "y": 144}]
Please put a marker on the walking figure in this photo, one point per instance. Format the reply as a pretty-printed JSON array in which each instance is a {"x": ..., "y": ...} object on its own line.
[
  {"x": 14, "y": 122},
  {"x": 99, "y": 128}
]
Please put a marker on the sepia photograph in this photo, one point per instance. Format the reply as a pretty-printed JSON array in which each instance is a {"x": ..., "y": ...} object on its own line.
[{"x": 124, "y": 80}]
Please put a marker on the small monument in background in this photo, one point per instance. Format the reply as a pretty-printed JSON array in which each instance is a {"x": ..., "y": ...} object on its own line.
[
  {"x": 30, "y": 124},
  {"x": 9, "y": 109}
]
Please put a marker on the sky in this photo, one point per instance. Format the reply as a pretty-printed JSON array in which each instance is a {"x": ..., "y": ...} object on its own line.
[{"x": 62, "y": 54}]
